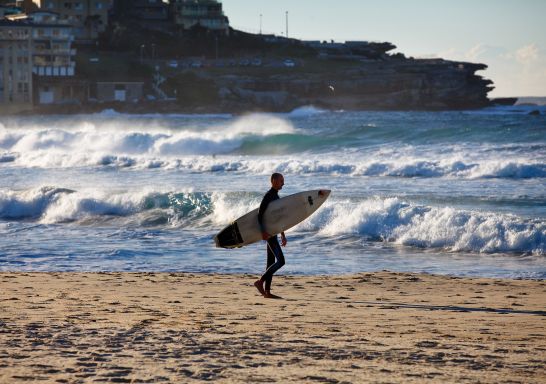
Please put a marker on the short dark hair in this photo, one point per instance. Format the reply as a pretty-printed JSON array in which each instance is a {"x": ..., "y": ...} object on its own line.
[{"x": 275, "y": 176}]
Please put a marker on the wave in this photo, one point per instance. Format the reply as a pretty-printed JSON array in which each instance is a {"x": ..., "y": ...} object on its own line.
[
  {"x": 89, "y": 141},
  {"x": 112, "y": 113},
  {"x": 366, "y": 144},
  {"x": 175, "y": 152},
  {"x": 52, "y": 205},
  {"x": 508, "y": 110},
  {"x": 306, "y": 111},
  {"x": 399, "y": 222},
  {"x": 375, "y": 219}
]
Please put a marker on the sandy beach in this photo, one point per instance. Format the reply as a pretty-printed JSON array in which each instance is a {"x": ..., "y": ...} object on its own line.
[{"x": 371, "y": 327}]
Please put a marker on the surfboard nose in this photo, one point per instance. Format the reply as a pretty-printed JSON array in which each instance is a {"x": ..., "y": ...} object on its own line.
[{"x": 324, "y": 193}]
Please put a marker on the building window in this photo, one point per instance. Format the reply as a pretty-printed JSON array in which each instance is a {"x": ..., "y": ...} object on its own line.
[
  {"x": 68, "y": 5},
  {"x": 50, "y": 5},
  {"x": 78, "y": 6},
  {"x": 99, "y": 6}
]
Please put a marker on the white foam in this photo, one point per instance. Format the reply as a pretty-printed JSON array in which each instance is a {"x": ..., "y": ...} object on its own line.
[
  {"x": 306, "y": 111},
  {"x": 28, "y": 204},
  {"x": 226, "y": 208},
  {"x": 385, "y": 219},
  {"x": 89, "y": 142},
  {"x": 392, "y": 220},
  {"x": 143, "y": 143},
  {"x": 113, "y": 113}
]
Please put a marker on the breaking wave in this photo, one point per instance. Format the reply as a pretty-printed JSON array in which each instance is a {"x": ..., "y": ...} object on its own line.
[
  {"x": 241, "y": 152},
  {"x": 49, "y": 205},
  {"x": 258, "y": 143},
  {"x": 399, "y": 222},
  {"x": 375, "y": 219}
]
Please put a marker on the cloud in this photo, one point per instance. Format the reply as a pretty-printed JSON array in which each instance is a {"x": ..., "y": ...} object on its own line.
[
  {"x": 474, "y": 53},
  {"x": 515, "y": 71},
  {"x": 527, "y": 54},
  {"x": 478, "y": 53}
]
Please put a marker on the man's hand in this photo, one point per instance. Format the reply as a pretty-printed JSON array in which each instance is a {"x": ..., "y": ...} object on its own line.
[
  {"x": 283, "y": 240},
  {"x": 265, "y": 235}
]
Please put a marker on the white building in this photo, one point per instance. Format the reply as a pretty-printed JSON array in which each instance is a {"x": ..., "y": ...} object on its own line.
[
  {"x": 15, "y": 66},
  {"x": 206, "y": 13},
  {"x": 38, "y": 44}
]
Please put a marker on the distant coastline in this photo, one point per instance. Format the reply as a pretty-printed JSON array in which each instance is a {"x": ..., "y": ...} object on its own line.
[
  {"x": 531, "y": 100},
  {"x": 170, "y": 107}
]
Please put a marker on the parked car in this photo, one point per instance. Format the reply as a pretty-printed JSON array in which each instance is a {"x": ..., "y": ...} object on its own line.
[
  {"x": 196, "y": 64},
  {"x": 256, "y": 63},
  {"x": 173, "y": 64}
]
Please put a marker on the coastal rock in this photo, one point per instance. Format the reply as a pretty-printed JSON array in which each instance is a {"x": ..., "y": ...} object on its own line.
[{"x": 412, "y": 84}]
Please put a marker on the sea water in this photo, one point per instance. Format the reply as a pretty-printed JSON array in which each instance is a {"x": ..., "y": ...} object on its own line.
[{"x": 460, "y": 193}]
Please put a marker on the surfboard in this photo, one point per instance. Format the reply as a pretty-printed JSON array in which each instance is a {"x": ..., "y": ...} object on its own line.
[{"x": 279, "y": 216}]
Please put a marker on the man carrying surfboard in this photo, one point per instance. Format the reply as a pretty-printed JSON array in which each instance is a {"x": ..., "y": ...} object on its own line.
[{"x": 275, "y": 257}]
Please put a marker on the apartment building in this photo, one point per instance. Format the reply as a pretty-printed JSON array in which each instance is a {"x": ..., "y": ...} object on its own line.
[
  {"x": 88, "y": 17},
  {"x": 52, "y": 50},
  {"x": 36, "y": 59},
  {"x": 15, "y": 66},
  {"x": 206, "y": 13}
]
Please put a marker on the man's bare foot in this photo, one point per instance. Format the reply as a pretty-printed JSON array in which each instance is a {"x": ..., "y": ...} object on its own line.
[
  {"x": 269, "y": 295},
  {"x": 259, "y": 286}
]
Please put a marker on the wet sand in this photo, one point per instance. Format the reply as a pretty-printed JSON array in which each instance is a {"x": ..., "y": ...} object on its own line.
[{"x": 371, "y": 327}]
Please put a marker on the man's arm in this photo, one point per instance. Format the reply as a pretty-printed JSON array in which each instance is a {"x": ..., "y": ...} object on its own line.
[{"x": 263, "y": 206}]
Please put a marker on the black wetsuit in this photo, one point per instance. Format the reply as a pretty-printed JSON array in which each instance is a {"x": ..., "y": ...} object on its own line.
[{"x": 274, "y": 250}]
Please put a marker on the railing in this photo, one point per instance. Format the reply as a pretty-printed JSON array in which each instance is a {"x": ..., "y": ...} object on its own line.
[
  {"x": 54, "y": 51},
  {"x": 50, "y": 70}
]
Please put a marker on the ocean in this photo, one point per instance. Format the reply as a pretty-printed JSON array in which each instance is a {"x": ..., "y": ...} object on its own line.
[{"x": 459, "y": 193}]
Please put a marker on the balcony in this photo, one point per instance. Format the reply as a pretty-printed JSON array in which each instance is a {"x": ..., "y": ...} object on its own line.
[
  {"x": 51, "y": 51},
  {"x": 56, "y": 71}
]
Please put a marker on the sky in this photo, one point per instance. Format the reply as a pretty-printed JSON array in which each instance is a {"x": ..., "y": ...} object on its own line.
[{"x": 507, "y": 35}]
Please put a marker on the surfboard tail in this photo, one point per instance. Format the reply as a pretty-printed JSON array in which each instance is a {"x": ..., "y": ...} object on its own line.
[{"x": 230, "y": 237}]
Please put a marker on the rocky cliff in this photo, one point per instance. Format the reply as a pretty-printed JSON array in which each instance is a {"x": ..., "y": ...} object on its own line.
[
  {"x": 392, "y": 84},
  {"x": 290, "y": 73}
]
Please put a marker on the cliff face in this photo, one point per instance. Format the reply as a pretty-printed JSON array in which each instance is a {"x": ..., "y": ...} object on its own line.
[
  {"x": 395, "y": 84},
  {"x": 349, "y": 75}
]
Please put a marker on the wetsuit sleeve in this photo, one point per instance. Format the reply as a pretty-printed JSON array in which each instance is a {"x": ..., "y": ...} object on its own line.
[{"x": 263, "y": 206}]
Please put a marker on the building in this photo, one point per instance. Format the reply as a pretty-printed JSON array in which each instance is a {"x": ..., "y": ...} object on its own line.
[
  {"x": 52, "y": 50},
  {"x": 53, "y": 58},
  {"x": 149, "y": 10},
  {"x": 15, "y": 66},
  {"x": 88, "y": 17},
  {"x": 112, "y": 91},
  {"x": 36, "y": 59},
  {"x": 205, "y": 13}
]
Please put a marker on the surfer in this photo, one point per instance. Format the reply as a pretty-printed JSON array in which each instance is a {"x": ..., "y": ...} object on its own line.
[{"x": 275, "y": 257}]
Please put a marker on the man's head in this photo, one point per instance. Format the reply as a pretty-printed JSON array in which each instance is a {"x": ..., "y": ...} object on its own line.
[{"x": 277, "y": 181}]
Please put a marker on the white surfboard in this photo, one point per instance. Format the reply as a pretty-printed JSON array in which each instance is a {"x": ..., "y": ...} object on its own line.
[{"x": 279, "y": 216}]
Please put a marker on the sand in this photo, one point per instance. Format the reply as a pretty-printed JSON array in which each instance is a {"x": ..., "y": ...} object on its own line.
[{"x": 371, "y": 327}]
